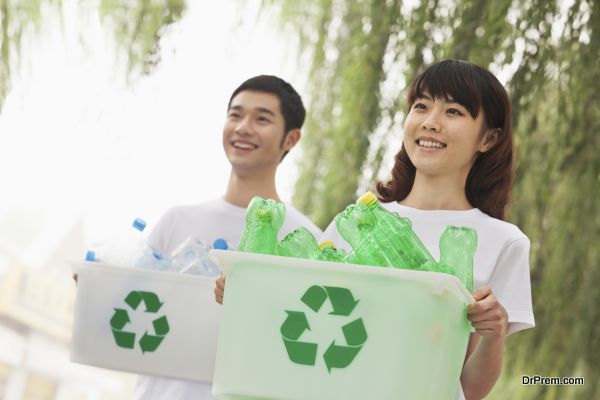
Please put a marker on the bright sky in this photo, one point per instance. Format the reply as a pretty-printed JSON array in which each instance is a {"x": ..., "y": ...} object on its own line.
[{"x": 75, "y": 139}]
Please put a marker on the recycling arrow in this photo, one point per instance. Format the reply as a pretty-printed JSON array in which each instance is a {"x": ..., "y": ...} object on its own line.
[
  {"x": 341, "y": 299},
  {"x": 296, "y": 323},
  {"x": 148, "y": 342}
]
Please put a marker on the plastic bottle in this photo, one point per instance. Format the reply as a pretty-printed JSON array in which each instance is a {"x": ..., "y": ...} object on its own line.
[
  {"x": 457, "y": 248},
  {"x": 128, "y": 249},
  {"x": 330, "y": 253},
  {"x": 358, "y": 226},
  {"x": 300, "y": 244},
  {"x": 264, "y": 218},
  {"x": 191, "y": 257},
  {"x": 413, "y": 254}
]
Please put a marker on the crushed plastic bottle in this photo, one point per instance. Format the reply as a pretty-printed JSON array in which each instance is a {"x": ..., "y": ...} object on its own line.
[
  {"x": 457, "y": 248},
  {"x": 413, "y": 254},
  {"x": 264, "y": 218},
  {"x": 300, "y": 244},
  {"x": 370, "y": 246},
  {"x": 128, "y": 249},
  {"x": 330, "y": 253},
  {"x": 191, "y": 257}
]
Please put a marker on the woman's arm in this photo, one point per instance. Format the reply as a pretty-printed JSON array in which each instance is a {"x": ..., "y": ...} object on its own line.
[{"x": 483, "y": 363}]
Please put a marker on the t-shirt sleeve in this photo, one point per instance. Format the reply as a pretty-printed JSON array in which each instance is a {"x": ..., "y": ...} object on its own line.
[
  {"x": 511, "y": 284},
  {"x": 159, "y": 236}
]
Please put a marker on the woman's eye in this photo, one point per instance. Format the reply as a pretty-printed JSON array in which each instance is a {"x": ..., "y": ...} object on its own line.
[
  {"x": 455, "y": 111},
  {"x": 233, "y": 115},
  {"x": 420, "y": 106}
]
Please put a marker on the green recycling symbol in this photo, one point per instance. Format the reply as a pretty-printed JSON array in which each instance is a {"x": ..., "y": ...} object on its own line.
[
  {"x": 120, "y": 318},
  {"x": 336, "y": 355}
]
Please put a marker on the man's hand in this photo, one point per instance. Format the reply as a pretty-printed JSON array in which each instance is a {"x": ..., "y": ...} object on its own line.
[
  {"x": 220, "y": 288},
  {"x": 487, "y": 315}
]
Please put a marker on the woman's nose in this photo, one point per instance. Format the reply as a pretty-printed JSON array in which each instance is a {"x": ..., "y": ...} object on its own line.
[{"x": 432, "y": 123}]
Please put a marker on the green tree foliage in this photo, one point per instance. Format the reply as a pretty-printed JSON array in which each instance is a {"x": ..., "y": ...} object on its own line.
[
  {"x": 16, "y": 18},
  {"x": 365, "y": 52},
  {"x": 138, "y": 27}
]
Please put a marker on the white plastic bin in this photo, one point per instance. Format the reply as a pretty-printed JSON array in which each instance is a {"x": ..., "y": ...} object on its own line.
[{"x": 146, "y": 322}]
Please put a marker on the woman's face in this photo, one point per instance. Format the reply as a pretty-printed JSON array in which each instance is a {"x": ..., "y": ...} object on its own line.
[{"x": 442, "y": 138}]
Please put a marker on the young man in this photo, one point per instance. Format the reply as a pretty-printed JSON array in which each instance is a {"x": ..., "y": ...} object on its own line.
[{"x": 264, "y": 118}]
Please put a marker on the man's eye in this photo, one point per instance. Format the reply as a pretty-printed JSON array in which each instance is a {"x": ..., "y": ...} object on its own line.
[
  {"x": 263, "y": 119},
  {"x": 455, "y": 111},
  {"x": 233, "y": 115}
]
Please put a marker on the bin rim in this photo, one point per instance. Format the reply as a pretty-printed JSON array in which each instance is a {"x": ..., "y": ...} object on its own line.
[
  {"x": 80, "y": 267},
  {"x": 226, "y": 258}
]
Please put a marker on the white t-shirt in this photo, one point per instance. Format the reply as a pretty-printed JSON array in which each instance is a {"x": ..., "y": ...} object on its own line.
[
  {"x": 207, "y": 222},
  {"x": 501, "y": 259}
]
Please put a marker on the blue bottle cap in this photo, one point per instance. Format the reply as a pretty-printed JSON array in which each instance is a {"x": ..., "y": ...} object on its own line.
[
  {"x": 90, "y": 255},
  {"x": 139, "y": 224},
  {"x": 220, "y": 244}
]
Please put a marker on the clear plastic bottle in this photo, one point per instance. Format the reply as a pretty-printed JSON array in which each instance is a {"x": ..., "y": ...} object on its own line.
[
  {"x": 191, "y": 257},
  {"x": 457, "y": 249},
  {"x": 264, "y": 218},
  {"x": 300, "y": 244},
  {"x": 413, "y": 254},
  {"x": 330, "y": 253},
  {"x": 370, "y": 246},
  {"x": 128, "y": 249}
]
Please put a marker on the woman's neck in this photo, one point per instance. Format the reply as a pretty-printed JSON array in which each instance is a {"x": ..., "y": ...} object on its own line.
[{"x": 437, "y": 193}]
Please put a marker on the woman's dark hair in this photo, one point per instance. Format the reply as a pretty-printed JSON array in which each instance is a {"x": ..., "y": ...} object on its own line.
[{"x": 490, "y": 178}]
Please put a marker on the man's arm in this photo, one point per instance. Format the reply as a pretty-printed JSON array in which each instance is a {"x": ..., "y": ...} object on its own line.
[{"x": 220, "y": 288}]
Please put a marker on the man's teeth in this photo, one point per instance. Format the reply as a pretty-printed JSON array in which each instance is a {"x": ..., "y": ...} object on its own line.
[
  {"x": 245, "y": 146},
  {"x": 426, "y": 143}
]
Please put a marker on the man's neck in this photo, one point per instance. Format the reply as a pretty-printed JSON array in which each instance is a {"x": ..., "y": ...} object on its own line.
[
  {"x": 242, "y": 188},
  {"x": 438, "y": 193}
]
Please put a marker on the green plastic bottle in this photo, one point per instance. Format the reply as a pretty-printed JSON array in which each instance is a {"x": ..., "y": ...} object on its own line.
[
  {"x": 457, "y": 249},
  {"x": 358, "y": 226},
  {"x": 300, "y": 244},
  {"x": 413, "y": 254},
  {"x": 264, "y": 218},
  {"x": 330, "y": 253}
]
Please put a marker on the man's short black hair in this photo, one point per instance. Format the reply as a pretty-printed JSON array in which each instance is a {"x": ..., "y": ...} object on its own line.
[{"x": 292, "y": 108}]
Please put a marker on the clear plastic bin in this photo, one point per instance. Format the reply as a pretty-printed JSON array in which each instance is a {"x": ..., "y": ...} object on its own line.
[{"x": 305, "y": 329}]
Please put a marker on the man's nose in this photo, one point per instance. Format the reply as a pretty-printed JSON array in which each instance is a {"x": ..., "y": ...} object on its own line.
[{"x": 244, "y": 126}]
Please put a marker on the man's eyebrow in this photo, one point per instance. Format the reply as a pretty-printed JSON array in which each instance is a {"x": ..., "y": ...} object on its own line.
[
  {"x": 257, "y": 109},
  {"x": 264, "y": 110}
]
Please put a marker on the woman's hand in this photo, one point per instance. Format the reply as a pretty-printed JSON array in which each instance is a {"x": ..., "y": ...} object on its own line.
[
  {"x": 487, "y": 315},
  {"x": 220, "y": 288}
]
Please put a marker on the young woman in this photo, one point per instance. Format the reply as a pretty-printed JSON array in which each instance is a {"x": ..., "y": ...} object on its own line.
[{"x": 455, "y": 168}]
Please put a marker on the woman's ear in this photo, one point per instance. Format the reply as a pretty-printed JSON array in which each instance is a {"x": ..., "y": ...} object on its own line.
[{"x": 489, "y": 139}]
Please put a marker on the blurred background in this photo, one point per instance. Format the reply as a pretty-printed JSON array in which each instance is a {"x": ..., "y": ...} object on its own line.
[{"x": 113, "y": 109}]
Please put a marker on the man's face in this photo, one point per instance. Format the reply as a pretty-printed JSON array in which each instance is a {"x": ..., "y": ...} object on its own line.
[{"x": 253, "y": 132}]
